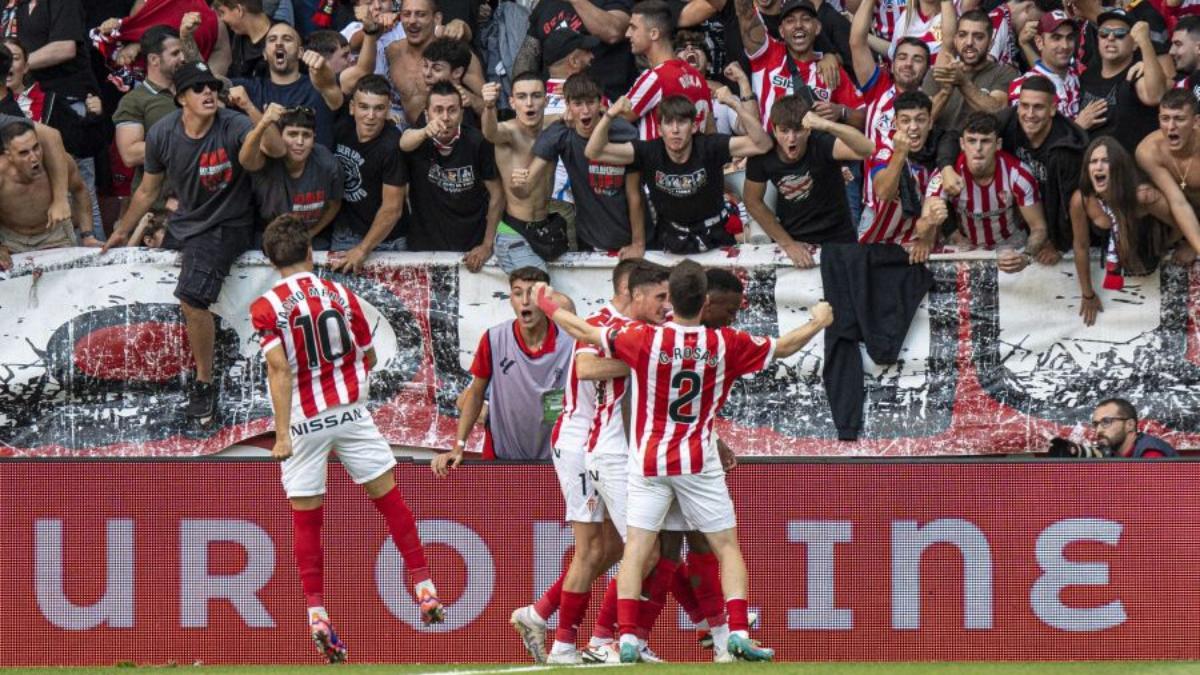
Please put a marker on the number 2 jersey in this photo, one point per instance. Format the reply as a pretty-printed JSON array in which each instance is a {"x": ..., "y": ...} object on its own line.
[
  {"x": 681, "y": 377},
  {"x": 321, "y": 327}
]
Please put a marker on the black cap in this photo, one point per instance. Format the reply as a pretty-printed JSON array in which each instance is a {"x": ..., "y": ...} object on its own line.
[
  {"x": 794, "y": 5},
  {"x": 559, "y": 44},
  {"x": 191, "y": 74},
  {"x": 1118, "y": 14}
]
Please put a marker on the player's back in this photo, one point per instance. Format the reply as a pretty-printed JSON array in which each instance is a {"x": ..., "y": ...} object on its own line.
[{"x": 323, "y": 331}]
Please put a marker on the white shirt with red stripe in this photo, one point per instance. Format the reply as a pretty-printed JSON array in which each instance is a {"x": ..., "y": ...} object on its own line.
[
  {"x": 681, "y": 378},
  {"x": 890, "y": 225},
  {"x": 887, "y": 15},
  {"x": 673, "y": 77},
  {"x": 1067, "y": 87},
  {"x": 591, "y": 416},
  {"x": 879, "y": 94},
  {"x": 1004, "y": 47},
  {"x": 987, "y": 214},
  {"x": 912, "y": 23},
  {"x": 771, "y": 78},
  {"x": 321, "y": 327}
]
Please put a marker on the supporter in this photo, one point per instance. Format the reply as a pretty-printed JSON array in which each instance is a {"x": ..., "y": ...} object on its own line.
[
  {"x": 407, "y": 63},
  {"x": 380, "y": 17},
  {"x": 565, "y": 53},
  {"x": 195, "y": 151},
  {"x": 376, "y": 178},
  {"x": 201, "y": 42},
  {"x": 811, "y": 208},
  {"x": 1011, "y": 20},
  {"x": 8, "y": 101},
  {"x": 610, "y": 211},
  {"x": 151, "y": 100},
  {"x": 1185, "y": 53},
  {"x": 444, "y": 60},
  {"x": 282, "y": 82},
  {"x": 334, "y": 48},
  {"x": 925, "y": 20},
  {"x": 306, "y": 182},
  {"x": 606, "y": 20},
  {"x": 880, "y": 86},
  {"x": 1129, "y": 216},
  {"x": 151, "y": 232},
  {"x": 539, "y": 353},
  {"x": 715, "y": 28},
  {"x": 249, "y": 25},
  {"x": 455, "y": 192},
  {"x": 119, "y": 39},
  {"x": 1167, "y": 155},
  {"x": 690, "y": 48},
  {"x": 55, "y": 31},
  {"x": 973, "y": 82},
  {"x": 1056, "y": 40},
  {"x": 1114, "y": 423},
  {"x": 998, "y": 200},
  {"x": 650, "y": 34},
  {"x": 1137, "y": 11},
  {"x": 1126, "y": 102},
  {"x": 528, "y": 235},
  {"x": 26, "y": 194},
  {"x": 683, "y": 171}
]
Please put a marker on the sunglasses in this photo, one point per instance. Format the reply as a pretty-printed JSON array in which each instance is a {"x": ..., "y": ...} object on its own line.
[
  {"x": 303, "y": 110},
  {"x": 1114, "y": 33},
  {"x": 201, "y": 87}
]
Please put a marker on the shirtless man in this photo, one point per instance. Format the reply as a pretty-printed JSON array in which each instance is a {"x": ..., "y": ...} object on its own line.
[
  {"x": 1167, "y": 156},
  {"x": 526, "y": 237},
  {"x": 26, "y": 195},
  {"x": 421, "y": 19}
]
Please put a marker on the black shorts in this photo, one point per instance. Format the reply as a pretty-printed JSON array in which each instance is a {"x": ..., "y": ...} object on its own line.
[{"x": 207, "y": 258}]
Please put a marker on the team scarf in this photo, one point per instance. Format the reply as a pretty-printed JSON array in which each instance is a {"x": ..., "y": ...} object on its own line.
[
  {"x": 323, "y": 17},
  {"x": 1114, "y": 276},
  {"x": 444, "y": 149}
]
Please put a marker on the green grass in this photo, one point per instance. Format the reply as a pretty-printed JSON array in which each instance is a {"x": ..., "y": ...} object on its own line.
[{"x": 976, "y": 668}]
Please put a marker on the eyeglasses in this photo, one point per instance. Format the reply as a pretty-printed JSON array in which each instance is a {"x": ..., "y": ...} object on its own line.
[
  {"x": 1114, "y": 33},
  {"x": 201, "y": 87},
  {"x": 1106, "y": 422}
]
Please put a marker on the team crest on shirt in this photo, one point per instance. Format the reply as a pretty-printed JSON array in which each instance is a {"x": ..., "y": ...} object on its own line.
[
  {"x": 884, "y": 154},
  {"x": 758, "y": 340},
  {"x": 795, "y": 188},
  {"x": 216, "y": 171}
]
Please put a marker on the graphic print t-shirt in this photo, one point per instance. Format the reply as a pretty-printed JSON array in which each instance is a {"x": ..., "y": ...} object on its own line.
[
  {"x": 686, "y": 193},
  {"x": 448, "y": 197},
  {"x": 366, "y": 168},
  {"x": 277, "y": 193},
  {"x": 812, "y": 194},
  {"x": 204, "y": 173}
]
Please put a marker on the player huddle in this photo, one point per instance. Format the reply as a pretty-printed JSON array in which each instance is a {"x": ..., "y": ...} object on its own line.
[{"x": 630, "y": 494}]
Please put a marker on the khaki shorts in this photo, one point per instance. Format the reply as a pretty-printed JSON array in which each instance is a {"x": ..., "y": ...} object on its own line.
[{"x": 59, "y": 236}]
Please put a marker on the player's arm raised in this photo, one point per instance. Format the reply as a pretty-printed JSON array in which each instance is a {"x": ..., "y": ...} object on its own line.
[
  {"x": 472, "y": 404},
  {"x": 577, "y": 328},
  {"x": 279, "y": 381},
  {"x": 792, "y": 341}
]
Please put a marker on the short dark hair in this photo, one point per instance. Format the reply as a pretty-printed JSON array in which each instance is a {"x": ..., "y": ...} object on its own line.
[
  {"x": 251, "y": 6},
  {"x": 980, "y": 122},
  {"x": 325, "y": 42},
  {"x": 155, "y": 38},
  {"x": 13, "y": 130},
  {"x": 688, "y": 288},
  {"x": 1178, "y": 99},
  {"x": 454, "y": 52},
  {"x": 6, "y": 59},
  {"x": 724, "y": 281},
  {"x": 1039, "y": 83},
  {"x": 285, "y": 241},
  {"x": 622, "y": 271},
  {"x": 444, "y": 88},
  {"x": 689, "y": 37},
  {"x": 978, "y": 16},
  {"x": 915, "y": 42},
  {"x": 377, "y": 85},
  {"x": 788, "y": 112},
  {"x": 912, "y": 100},
  {"x": 1124, "y": 407},
  {"x": 646, "y": 273},
  {"x": 581, "y": 87},
  {"x": 676, "y": 108},
  {"x": 298, "y": 117},
  {"x": 528, "y": 76},
  {"x": 433, "y": 6},
  {"x": 659, "y": 15},
  {"x": 1191, "y": 24},
  {"x": 528, "y": 273}
]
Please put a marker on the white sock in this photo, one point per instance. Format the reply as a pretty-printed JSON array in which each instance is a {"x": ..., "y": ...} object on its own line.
[
  {"x": 720, "y": 636},
  {"x": 424, "y": 586},
  {"x": 562, "y": 647},
  {"x": 642, "y": 644}
]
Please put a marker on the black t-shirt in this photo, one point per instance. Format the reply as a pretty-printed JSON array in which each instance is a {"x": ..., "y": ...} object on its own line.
[
  {"x": 1128, "y": 120},
  {"x": 1037, "y": 159},
  {"x": 300, "y": 93},
  {"x": 613, "y": 66},
  {"x": 447, "y": 193},
  {"x": 812, "y": 194},
  {"x": 686, "y": 193},
  {"x": 366, "y": 168},
  {"x": 1192, "y": 83},
  {"x": 55, "y": 21},
  {"x": 247, "y": 56},
  {"x": 1140, "y": 10}
]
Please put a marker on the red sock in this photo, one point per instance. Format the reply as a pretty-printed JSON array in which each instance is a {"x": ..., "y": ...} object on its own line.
[
  {"x": 404, "y": 534},
  {"x": 654, "y": 590},
  {"x": 606, "y": 618},
  {"x": 707, "y": 570},
  {"x": 306, "y": 545},
  {"x": 570, "y": 615},
  {"x": 685, "y": 595},
  {"x": 627, "y": 615},
  {"x": 736, "y": 607},
  {"x": 548, "y": 604}
]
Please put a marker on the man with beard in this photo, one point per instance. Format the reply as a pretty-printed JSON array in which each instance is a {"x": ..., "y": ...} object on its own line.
[
  {"x": 1056, "y": 40},
  {"x": 406, "y": 62},
  {"x": 283, "y": 84},
  {"x": 527, "y": 236},
  {"x": 881, "y": 87},
  {"x": 151, "y": 100},
  {"x": 1167, "y": 156},
  {"x": 650, "y": 33},
  {"x": 971, "y": 83},
  {"x": 812, "y": 208},
  {"x": 249, "y": 25},
  {"x": 1127, "y": 102},
  {"x": 1185, "y": 53},
  {"x": 1114, "y": 424}
]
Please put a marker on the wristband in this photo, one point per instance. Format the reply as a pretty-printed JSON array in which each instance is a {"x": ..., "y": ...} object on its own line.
[
  {"x": 1090, "y": 297},
  {"x": 747, "y": 98},
  {"x": 546, "y": 303},
  {"x": 373, "y": 33}
]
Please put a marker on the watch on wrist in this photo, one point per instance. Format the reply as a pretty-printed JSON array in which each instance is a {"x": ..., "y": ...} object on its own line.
[
  {"x": 373, "y": 31},
  {"x": 747, "y": 98}
]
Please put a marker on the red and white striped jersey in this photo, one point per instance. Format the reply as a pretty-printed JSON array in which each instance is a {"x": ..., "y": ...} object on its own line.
[
  {"x": 681, "y": 378},
  {"x": 887, "y": 15},
  {"x": 890, "y": 226},
  {"x": 324, "y": 333},
  {"x": 1067, "y": 87},
  {"x": 673, "y": 77},
  {"x": 879, "y": 93},
  {"x": 1004, "y": 44},
  {"x": 987, "y": 214},
  {"x": 771, "y": 78},
  {"x": 591, "y": 414},
  {"x": 912, "y": 23},
  {"x": 556, "y": 103}
]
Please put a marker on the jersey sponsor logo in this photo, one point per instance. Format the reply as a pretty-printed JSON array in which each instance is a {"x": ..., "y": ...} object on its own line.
[
  {"x": 326, "y": 422},
  {"x": 681, "y": 185},
  {"x": 216, "y": 171},
  {"x": 352, "y": 162},
  {"x": 784, "y": 81},
  {"x": 454, "y": 180},
  {"x": 795, "y": 188}
]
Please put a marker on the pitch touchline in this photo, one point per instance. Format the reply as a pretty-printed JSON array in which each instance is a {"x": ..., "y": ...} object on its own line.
[{"x": 519, "y": 669}]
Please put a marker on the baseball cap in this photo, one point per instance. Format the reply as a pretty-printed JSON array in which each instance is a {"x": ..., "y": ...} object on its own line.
[
  {"x": 1117, "y": 14},
  {"x": 190, "y": 74},
  {"x": 794, "y": 5},
  {"x": 1050, "y": 21},
  {"x": 563, "y": 41}
]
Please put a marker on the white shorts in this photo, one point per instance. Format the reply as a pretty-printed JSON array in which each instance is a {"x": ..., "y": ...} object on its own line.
[
  {"x": 347, "y": 430},
  {"x": 611, "y": 475},
  {"x": 578, "y": 488},
  {"x": 703, "y": 499}
]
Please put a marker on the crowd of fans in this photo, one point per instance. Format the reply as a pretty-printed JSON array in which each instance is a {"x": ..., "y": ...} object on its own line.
[{"x": 514, "y": 133}]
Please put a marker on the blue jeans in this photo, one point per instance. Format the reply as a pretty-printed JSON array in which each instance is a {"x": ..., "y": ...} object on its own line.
[
  {"x": 87, "y": 171},
  {"x": 513, "y": 252},
  {"x": 345, "y": 239},
  {"x": 854, "y": 194}
]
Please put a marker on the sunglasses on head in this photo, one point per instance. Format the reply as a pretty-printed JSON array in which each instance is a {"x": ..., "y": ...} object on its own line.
[
  {"x": 303, "y": 110},
  {"x": 1117, "y": 33}
]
